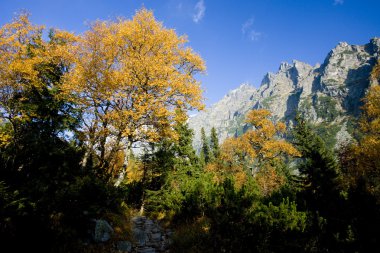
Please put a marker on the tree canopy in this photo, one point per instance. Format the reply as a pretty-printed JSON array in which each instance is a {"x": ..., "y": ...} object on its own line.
[{"x": 133, "y": 80}]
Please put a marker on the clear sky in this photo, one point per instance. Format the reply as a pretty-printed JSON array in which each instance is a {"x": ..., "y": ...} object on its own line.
[{"x": 240, "y": 40}]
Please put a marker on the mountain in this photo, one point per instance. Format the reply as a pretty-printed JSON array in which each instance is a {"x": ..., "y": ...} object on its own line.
[{"x": 328, "y": 95}]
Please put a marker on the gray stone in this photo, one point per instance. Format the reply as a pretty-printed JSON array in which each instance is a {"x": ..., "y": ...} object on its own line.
[
  {"x": 103, "y": 231},
  {"x": 124, "y": 246},
  {"x": 155, "y": 237},
  {"x": 149, "y": 236},
  {"x": 146, "y": 250},
  {"x": 140, "y": 236}
]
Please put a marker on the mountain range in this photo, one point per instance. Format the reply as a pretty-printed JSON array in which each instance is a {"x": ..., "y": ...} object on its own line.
[{"x": 328, "y": 95}]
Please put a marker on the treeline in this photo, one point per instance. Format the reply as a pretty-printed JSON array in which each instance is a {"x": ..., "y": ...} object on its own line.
[{"x": 72, "y": 108}]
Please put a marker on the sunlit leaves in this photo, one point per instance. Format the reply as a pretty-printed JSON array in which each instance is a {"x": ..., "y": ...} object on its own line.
[
  {"x": 31, "y": 69},
  {"x": 133, "y": 79},
  {"x": 259, "y": 150},
  {"x": 363, "y": 158}
]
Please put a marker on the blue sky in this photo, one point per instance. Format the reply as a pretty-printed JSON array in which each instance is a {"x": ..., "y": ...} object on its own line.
[{"x": 240, "y": 40}]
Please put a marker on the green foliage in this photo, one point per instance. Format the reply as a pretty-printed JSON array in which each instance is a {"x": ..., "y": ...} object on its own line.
[
  {"x": 12, "y": 204},
  {"x": 180, "y": 176},
  {"x": 214, "y": 144},
  {"x": 319, "y": 168},
  {"x": 305, "y": 104},
  {"x": 228, "y": 227},
  {"x": 283, "y": 216},
  {"x": 239, "y": 221},
  {"x": 321, "y": 188},
  {"x": 47, "y": 198},
  {"x": 205, "y": 148}
]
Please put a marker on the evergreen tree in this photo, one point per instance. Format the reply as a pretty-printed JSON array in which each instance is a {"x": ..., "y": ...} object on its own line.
[
  {"x": 185, "y": 153},
  {"x": 320, "y": 188},
  {"x": 214, "y": 143},
  {"x": 180, "y": 170},
  {"x": 46, "y": 197},
  {"x": 205, "y": 149}
]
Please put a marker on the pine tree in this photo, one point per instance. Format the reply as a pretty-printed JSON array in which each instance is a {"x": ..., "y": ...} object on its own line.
[
  {"x": 320, "y": 183},
  {"x": 205, "y": 149},
  {"x": 214, "y": 144},
  {"x": 179, "y": 170}
]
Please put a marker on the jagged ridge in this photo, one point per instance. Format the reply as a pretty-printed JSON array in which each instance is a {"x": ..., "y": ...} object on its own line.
[{"x": 330, "y": 93}]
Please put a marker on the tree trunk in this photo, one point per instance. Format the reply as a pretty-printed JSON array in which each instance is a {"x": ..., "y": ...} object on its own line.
[
  {"x": 85, "y": 159},
  {"x": 87, "y": 155},
  {"x": 125, "y": 165}
]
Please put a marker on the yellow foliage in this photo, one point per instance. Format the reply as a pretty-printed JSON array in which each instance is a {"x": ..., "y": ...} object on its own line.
[
  {"x": 134, "y": 171},
  {"x": 240, "y": 178},
  {"x": 362, "y": 159},
  {"x": 22, "y": 53},
  {"x": 135, "y": 78},
  {"x": 5, "y": 138},
  {"x": 370, "y": 122},
  {"x": 260, "y": 143},
  {"x": 257, "y": 150},
  {"x": 269, "y": 180},
  {"x": 375, "y": 74}
]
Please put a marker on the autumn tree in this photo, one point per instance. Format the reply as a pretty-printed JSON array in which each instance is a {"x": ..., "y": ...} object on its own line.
[
  {"x": 43, "y": 190},
  {"x": 361, "y": 166},
  {"x": 31, "y": 71},
  {"x": 375, "y": 74},
  {"x": 259, "y": 150},
  {"x": 367, "y": 151},
  {"x": 361, "y": 158},
  {"x": 133, "y": 80}
]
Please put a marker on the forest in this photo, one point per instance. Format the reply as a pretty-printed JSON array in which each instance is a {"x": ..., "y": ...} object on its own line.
[{"x": 94, "y": 126}]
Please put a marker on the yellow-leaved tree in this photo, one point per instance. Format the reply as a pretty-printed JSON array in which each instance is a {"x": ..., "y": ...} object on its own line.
[
  {"x": 29, "y": 67},
  {"x": 259, "y": 150},
  {"x": 133, "y": 80},
  {"x": 362, "y": 158}
]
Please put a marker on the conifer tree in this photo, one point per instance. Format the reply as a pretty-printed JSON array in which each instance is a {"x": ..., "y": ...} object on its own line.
[
  {"x": 321, "y": 182},
  {"x": 179, "y": 171},
  {"x": 214, "y": 143},
  {"x": 205, "y": 149}
]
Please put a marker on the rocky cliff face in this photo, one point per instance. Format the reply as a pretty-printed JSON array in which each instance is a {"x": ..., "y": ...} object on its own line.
[{"x": 329, "y": 95}]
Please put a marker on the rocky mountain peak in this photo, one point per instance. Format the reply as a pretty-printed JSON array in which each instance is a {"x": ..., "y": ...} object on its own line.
[
  {"x": 375, "y": 46},
  {"x": 328, "y": 94},
  {"x": 284, "y": 66},
  {"x": 243, "y": 88}
]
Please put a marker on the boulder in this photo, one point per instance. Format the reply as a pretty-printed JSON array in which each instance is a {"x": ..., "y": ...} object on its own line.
[{"x": 103, "y": 231}]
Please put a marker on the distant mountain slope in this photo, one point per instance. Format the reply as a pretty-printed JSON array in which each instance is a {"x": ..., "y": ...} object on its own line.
[{"x": 329, "y": 95}]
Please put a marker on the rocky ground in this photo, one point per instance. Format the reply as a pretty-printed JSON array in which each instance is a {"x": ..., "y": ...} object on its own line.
[{"x": 147, "y": 236}]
